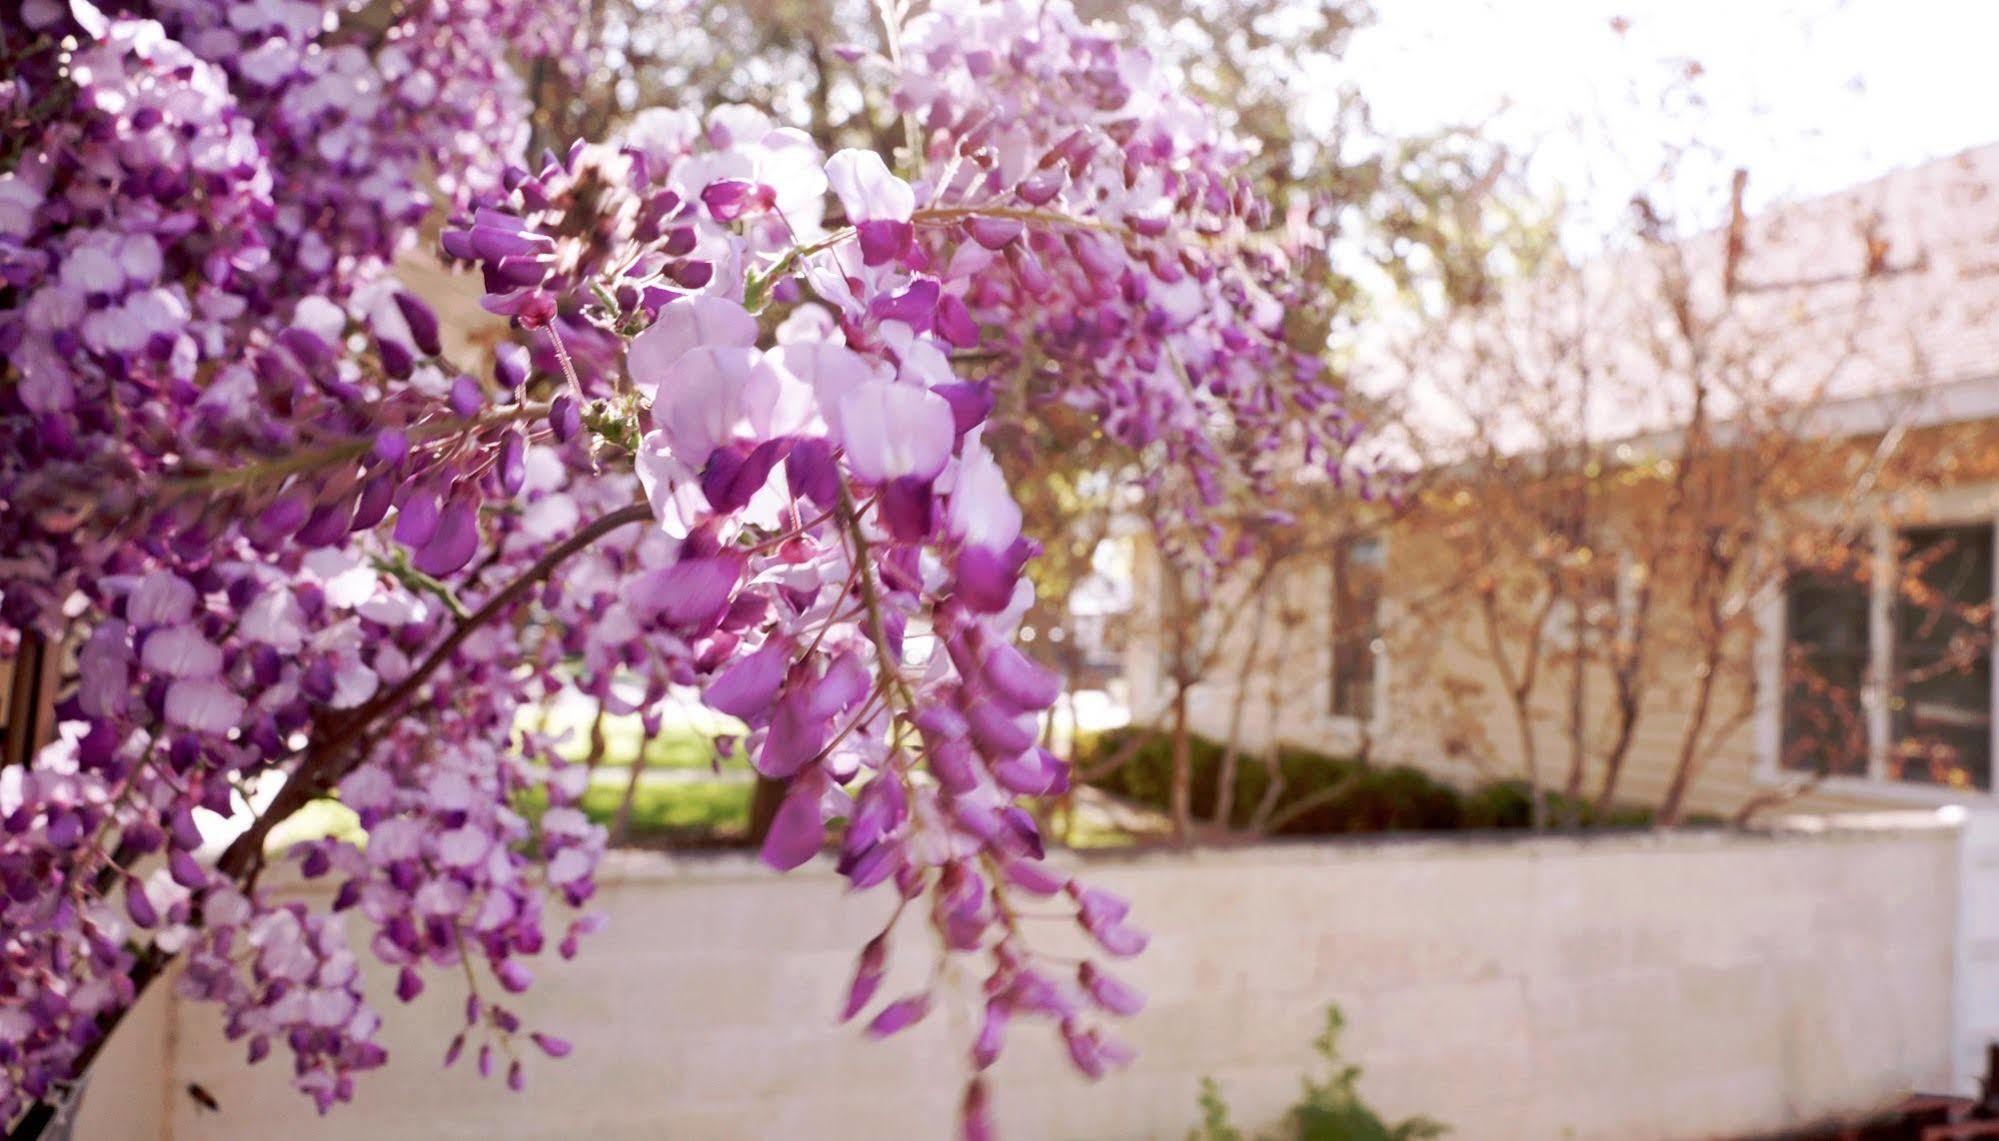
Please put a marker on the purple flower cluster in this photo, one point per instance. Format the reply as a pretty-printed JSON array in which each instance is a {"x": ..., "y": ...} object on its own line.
[
  {"x": 739, "y": 445},
  {"x": 1137, "y": 281},
  {"x": 213, "y": 398}
]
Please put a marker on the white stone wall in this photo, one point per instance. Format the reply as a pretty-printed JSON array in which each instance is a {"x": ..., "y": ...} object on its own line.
[{"x": 1628, "y": 987}]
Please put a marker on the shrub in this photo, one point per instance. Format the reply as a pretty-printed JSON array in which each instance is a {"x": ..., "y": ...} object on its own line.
[
  {"x": 1321, "y": 794},
  {"x": 1328, "y": 795},
  {"x": 1327, "y": 1110}
]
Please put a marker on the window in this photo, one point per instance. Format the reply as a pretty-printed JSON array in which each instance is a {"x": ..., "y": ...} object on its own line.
[
  {"x": 1887, "y": 675},
  {"x": 1941, "y": 703},
  {"x": 1357, "y": 645},
  {"x": 1826, "y": 613}
]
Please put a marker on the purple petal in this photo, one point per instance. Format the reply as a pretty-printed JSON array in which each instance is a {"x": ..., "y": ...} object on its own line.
[
  {"x": 416, "y": 519},
  {"x": 564, "y": 418},
  {"x": 139, "y": 906},
  {"x": 1083, "y": 1052},
  {"x": 986, "y": 579},
  {"x": 1035, "y": 877},
  {"x": 797, "y": 829},
  {"x": 1017, "y": 679},
  {"x": 422, "y": 321},
  {"x": 204, "y": 705},
  {"x": 868, "y": 190},
  {"x": 955, "y": 322},
  {"x": 513, "y": 462},
  {"x": 514, "y": 977},
  {"x": 884, "y": 242},
  {"x": 810, "y": 473},
  {"x": 1035, "y": 772},
  {"x": 1110, "y": 993},
  {"x": 900, "y": 1015},
  {"x": 992, "y": 1035},
  {"x": 794, "y": 739},
  {"x": 845, "y": 682},
  {"x": 994, "y": 233},
  {"x": 998, "y": 732},
  {"x": 455, "y": 541},
  {"x": 730, "y": 198},
  {"x": 954, "y": 766},
  {"x": 914, "y": 305},
  {"x": 746, "y": 689},
  {"x": 376, "y": 496},
  {"x": 286, "y": 514},
  {"x": 971, "y": 402},
  {"x": 905, "y": 507},
  {"x": 1098, "y": 905},
  {"x": 895, "y": 430},
  {"x": 186, "y": 871},
  {"x": 160, "y": 599},
  {"x": 511, "y": 364},
  {"x": 868, "y": 974},
  {"x": 735, "y": 474},
  {"x": 466, "y": 400},
  {"x": 1118, "y": 939},
  {"x": 691, "y": 595},
  {"x": 688, "y": 323},
  {"x": 975, "y": 1119},
  {"x": 391, "y": 445}
]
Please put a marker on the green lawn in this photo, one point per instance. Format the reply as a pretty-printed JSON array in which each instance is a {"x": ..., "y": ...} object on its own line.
[
  {"x": 313, "y": 821},
  {"x": 682, "y": 813},
  {"x": 686, "y": 742},
  {"x": 678, "y": 814}
]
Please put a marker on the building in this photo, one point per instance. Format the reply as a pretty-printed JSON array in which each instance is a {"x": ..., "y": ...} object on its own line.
[{"x": 1706, "y": 523}]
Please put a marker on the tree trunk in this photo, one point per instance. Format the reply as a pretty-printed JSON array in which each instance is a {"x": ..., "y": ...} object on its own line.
[
  {"x": 622, "y": 822},
  {"x": 1674, "y": 804},
  {"x": 1613, "y": 759},
  {"x": 1520, "y": 695},
  {"x": 764, "y": 800},
  {"x": 1225, "y": 777},
  {"x": 1181, "y": 799},
  {"x": 596, "y": 756},
  {"x": 1572, "y": 788},
  {"x": 1273, "y": 752}
]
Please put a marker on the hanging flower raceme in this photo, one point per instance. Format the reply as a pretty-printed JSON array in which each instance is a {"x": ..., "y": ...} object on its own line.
[
  {"x": 848, "y": 567},
  {"x": 741, "y": 443}
]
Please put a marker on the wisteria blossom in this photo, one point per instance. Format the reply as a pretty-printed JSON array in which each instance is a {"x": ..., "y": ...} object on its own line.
[{"x": 736, "y": 444}]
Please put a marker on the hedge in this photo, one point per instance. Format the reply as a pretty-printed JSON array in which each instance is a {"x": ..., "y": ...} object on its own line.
[{"x": 1337, "y": 794}]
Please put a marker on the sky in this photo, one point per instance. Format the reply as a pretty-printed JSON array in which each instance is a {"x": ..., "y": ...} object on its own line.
[{"x": 1810, "y": 95}]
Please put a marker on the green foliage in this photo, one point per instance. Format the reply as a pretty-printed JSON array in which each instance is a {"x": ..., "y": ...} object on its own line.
[
  {"x": 1326, "y": 795},
  {"x": 1320, "y": 795},
  {"x": 1214, "y": 1116},
  {"x": 1328, "y": 1109},
  {"x": 1509, "y": 804}
]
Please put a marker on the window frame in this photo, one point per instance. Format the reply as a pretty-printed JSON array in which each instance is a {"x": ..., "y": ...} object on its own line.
[{"x": 1961, "y": 506}]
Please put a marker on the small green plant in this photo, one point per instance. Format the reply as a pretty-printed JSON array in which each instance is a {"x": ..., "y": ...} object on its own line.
[{"x": 1328, "y": 1109}]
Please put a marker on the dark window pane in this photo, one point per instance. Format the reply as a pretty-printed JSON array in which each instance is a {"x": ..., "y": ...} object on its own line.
[
  {"x": 1825, "y": 665},
  {"x": 1356, "y": 626},
  {"x": 1942, "y": 700}
]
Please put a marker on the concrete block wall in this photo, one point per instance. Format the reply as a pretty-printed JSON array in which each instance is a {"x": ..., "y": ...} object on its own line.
[
  {"x": 1977, "y": 964},
  {"x": 1635, "y": 987}
]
